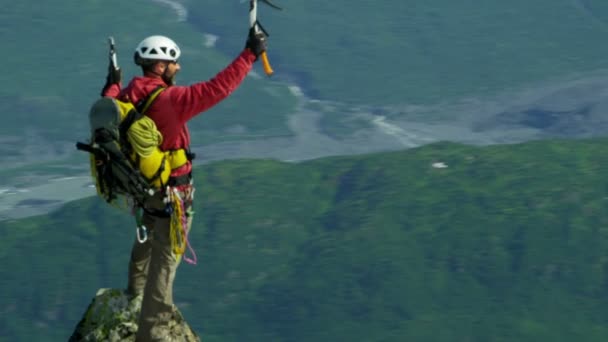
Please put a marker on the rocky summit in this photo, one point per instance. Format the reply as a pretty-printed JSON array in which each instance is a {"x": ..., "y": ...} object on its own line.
[{"x": 112, "y": 317}]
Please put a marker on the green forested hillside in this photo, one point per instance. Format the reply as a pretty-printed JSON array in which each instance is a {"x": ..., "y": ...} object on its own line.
[
  {"x": 375, "y": 53},
  {"x": 381, "y": 57},
  {"x": 56, "y": 57},
  {"x": 506, "y": 243},
  {"x": 407, "y": 51}
]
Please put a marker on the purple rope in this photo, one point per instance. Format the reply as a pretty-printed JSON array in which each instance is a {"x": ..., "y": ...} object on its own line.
[{"x": 194, "y": 259}]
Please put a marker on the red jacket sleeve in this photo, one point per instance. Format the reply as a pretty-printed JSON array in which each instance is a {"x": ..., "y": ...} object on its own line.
[
  {"x": 188, "y": 101},
  {"x": 112, "y": 91}
]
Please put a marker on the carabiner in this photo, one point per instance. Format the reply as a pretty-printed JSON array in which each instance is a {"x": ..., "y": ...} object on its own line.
[{"x": 142, "y": 234}]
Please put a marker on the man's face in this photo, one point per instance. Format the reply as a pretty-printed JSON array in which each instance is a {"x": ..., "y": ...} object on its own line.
[{"x": 171, "y": 69}]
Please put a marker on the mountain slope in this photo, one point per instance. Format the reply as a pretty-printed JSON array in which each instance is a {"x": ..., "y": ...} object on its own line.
[
  {"x": 445, "y": 242},
  {"x": 61, "y": 52},
  {"x": 398, "y": 52}
]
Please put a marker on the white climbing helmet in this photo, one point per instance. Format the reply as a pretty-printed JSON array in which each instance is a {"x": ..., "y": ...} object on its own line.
[{"x": 157, "y": 48}]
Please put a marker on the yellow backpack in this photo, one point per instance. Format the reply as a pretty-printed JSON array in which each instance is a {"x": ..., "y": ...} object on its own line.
[{"x": 124, "y": 146}]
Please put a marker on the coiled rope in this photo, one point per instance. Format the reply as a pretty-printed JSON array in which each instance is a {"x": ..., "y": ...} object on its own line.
[
  {"x": 179, "y": 222},
  {"x": 144, "y": 137}
]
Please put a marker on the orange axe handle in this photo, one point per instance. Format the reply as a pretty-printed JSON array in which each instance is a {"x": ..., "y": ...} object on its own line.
[{"x": 267, "y": 68}]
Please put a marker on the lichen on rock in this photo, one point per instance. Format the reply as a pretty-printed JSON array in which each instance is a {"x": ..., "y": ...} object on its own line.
[{"x": 112, "y": 316}]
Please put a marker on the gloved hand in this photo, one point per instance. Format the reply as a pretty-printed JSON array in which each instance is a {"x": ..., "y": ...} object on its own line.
[
  {"x": 114, "y": 77},
  {"x": 256, "y": 43}
]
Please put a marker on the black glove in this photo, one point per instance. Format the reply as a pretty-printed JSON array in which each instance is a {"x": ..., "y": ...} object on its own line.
[
  {"x": 114, "y": 77},
  {"x": 256, "y": 43}
]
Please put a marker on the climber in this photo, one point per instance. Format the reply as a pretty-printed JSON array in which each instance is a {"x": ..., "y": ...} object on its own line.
[{"x": 153, "y": 263}]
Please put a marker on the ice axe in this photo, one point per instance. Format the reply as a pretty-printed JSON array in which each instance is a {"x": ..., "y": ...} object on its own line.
[
  {"x": 114, "y": 73},
  {"x": 257, "y": 28},
  {"x": 113, "y": 62}
]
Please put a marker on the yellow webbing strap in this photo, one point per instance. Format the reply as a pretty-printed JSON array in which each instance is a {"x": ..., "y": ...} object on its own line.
[
  {"x": 151, "y": 99},
  {"x": 177, "y": 158}
]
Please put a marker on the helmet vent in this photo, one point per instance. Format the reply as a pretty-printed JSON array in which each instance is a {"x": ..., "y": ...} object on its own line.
[
  {"x": 163, "y": 49},
  {"x": 144, "y": 49},
  {"x": 153, "y": 52}
]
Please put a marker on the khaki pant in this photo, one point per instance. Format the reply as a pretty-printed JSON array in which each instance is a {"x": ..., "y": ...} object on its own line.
[{"x": 152, "y": 271}]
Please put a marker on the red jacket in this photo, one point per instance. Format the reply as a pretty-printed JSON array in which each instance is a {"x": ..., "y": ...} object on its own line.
[{"x": 178, "y": 104}]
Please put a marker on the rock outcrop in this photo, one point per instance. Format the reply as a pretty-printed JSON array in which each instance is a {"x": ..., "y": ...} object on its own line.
[{"x": 112, "y": 316}]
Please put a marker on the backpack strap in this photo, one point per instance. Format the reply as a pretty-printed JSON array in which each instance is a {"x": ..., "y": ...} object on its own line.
[
  {"x": 141, "y": 107},
  {"x": 144, "y": 104}
]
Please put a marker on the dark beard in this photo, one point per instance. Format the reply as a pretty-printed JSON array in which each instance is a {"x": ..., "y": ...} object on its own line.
[{"x": 169, "y": 81}]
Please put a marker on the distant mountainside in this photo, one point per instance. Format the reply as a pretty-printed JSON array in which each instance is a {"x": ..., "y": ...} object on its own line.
[
  {"x": 441, "y": 243},
  {"x": 377, "y": 57},
  {"x": 62, "y": 53},
  {"x": 446, "y": 242},
  {"x": 397, "y": 52}
]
